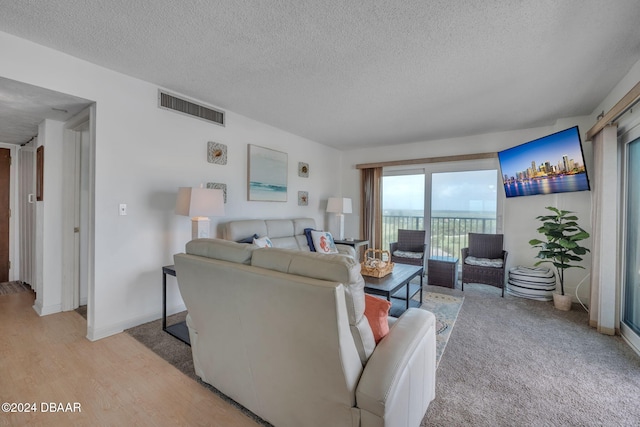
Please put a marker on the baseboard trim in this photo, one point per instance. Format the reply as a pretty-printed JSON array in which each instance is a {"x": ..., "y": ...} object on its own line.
[
  {"x": 95, "y": 334},
  {"x": 45, "y": 311}
]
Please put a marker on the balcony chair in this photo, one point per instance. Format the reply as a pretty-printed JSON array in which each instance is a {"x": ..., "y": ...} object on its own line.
[
  {"x": 484, "y": 261},
  {"x": 410, "y": 248}
]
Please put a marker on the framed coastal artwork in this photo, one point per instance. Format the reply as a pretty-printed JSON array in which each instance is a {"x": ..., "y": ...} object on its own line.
[{"x": 267, "y": 174}]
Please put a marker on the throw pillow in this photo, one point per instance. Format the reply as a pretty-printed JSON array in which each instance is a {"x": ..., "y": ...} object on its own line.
[
  {"x": 263, "y": 242},
  {"x": 323, "y": 242},
  {"x": 307, "y": 232},
  {"x": 377, "y": 312},
  {"x": 248, "y": 239}
]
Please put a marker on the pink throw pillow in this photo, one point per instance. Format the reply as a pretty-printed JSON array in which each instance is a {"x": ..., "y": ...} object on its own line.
[{"x": 377, "y": 312}]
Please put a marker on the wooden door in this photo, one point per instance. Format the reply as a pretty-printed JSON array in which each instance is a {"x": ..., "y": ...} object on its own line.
[{"x": 5, "y": 188}]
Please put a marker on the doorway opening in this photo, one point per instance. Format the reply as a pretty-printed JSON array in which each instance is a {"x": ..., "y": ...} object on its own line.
[{"x": 78, "y": 231}]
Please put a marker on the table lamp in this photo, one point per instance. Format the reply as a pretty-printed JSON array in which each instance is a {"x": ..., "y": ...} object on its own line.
[
  {"x": 200, "y": 204},
  {"x": 339, "y": 206}
]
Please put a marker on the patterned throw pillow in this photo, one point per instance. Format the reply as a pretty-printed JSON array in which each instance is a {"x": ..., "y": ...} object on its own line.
[
  {"x": 263, "y": 242},
  {"x": 323, "y": 242}
]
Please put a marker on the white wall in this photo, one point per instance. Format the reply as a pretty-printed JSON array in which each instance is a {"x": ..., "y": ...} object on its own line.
[
  {"x": 519, "y": 223},
  {"x": 620, "y": 90},
  {"x": 143, "y": 154},
  {"x": 49, "y": 221}
]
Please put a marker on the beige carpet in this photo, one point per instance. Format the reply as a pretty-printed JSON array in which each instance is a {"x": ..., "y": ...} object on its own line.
[{"x": 518, "y": 362}]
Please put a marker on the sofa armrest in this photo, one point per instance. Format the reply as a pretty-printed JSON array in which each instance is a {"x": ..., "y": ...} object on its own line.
[
  {"x": 393, "y": 247},
  {"x": 398, "y": 382},
  {"x": 346, "y": 250}
]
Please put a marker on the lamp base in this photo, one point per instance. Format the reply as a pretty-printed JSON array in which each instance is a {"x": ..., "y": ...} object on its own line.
[
  {"x": 200, "y": 226},
  {"x": 341, "y": 224}
]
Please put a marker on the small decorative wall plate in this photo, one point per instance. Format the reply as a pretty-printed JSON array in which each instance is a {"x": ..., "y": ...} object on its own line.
[
  {"x": 216, "y": 153},
  {"x": 303, "y": 198},
  {"x": 218, "y": 186},
  {"x": 303, "y": 169}
]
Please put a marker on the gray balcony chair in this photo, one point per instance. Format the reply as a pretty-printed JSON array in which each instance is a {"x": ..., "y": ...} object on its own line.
[
  {"x": 410, "y": 248},
  {"x": 488, "y": 260}
]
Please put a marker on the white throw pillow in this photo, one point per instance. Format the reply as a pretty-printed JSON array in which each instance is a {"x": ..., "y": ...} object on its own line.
[
  {"x": 323, "y": 242},
  {"x": 263, "y": 242}
]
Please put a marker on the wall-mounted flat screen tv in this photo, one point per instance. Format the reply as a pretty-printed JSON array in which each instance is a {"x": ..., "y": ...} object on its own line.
[{"x": 551, "y": 164}]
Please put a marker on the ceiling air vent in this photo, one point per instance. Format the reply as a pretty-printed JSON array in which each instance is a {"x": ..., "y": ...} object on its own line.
[{"x": 171, "y": 102}]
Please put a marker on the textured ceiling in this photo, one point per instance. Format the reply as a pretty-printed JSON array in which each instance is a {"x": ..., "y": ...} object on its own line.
[
  {"x": 23, "y": 107},
  {"x": 351, "y": 73}
]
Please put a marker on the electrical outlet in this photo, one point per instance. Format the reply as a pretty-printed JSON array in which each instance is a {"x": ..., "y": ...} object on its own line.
[{"x": 123, "y": 208}]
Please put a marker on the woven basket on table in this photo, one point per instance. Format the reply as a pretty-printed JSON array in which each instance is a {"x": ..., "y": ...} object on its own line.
[{"x": 376, "y": 271}]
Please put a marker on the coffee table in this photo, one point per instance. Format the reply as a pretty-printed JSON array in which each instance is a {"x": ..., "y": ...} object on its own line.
[{"x": 391, "y": 287}]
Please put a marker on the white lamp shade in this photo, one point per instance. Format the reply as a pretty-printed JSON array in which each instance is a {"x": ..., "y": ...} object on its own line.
[
  {"x": 195, "y": 202},
  {"x": 341, "y": 205}
]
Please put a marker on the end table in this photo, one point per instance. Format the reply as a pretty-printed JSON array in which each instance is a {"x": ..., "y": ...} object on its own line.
[
  {"x": 442, "y": 271},
  {"x": 178, "y": 330},
  {"x": 355, "y": 243}
]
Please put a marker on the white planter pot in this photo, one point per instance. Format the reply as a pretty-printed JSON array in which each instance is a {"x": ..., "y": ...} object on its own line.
[{"x": 562, "y": 302}]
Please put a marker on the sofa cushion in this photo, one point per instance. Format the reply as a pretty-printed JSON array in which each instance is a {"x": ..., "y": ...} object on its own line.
[
  {"x": 303, "y": 245},
  {"x": 285, "y": 242},
  {"x": 279, "y": 228},
  {"x": 236, "y": 230},
  {"x": 221, "y": 249},
  {"x": 377, "y": 312},
  {"x": 276, "y": 259},
  {"x": 300, "y": 224},
  {"x": 331, "y": 267}
]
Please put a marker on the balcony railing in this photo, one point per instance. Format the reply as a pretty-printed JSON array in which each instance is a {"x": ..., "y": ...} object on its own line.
[{"x": 448, "y": 234}]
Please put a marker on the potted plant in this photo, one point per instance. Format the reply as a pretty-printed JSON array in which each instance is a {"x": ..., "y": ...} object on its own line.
[{"x": 561, "y": 247}]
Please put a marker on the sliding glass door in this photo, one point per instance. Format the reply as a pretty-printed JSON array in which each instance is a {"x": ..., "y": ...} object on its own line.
[
  {"x": 448, "y": 200},
  {"x": 631, "y": 292},
  {"x": 402, "y": 204},
  {"x": 461, "y": 203}
]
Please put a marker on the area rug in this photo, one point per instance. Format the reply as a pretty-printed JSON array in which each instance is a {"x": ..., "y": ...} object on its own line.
[
  {"x": 446, "y": 309},
  {"x": 13, "y": 287}
]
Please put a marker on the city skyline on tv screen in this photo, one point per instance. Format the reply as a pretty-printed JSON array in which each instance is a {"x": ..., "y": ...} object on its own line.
[{"x": 551, "y": 164}]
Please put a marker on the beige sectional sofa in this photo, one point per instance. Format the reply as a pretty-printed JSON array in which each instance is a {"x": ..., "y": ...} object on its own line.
[
  {"x": 283, "y": 233},
  {"x": 283, "y": 333}
]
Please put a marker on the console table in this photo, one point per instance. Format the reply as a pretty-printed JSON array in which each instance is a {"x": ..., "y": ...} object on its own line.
[
  {"x": 442, "y": 271},
  {"x": 178, "y": 330}
]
